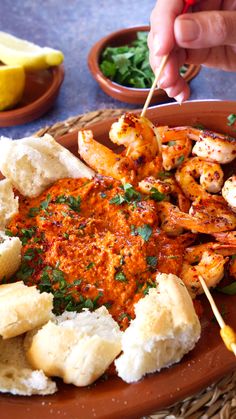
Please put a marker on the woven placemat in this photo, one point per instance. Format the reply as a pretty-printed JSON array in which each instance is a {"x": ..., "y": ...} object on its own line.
[{"x": 215, "y": 402}]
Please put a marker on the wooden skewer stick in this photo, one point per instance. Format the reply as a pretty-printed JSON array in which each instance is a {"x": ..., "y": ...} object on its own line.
[
  {"x": 227, "y": 333},
  {"x": 154, "y": 84}
]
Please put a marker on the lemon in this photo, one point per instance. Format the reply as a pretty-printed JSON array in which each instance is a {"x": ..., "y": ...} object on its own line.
[
  {"x": 16, "y": 51},
  {"x": 12, "y": 83}
]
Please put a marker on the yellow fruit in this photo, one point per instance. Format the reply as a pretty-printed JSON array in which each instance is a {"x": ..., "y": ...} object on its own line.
[
  {"x": 16, "y": 51},
  {"x": 12, "y": 83}
]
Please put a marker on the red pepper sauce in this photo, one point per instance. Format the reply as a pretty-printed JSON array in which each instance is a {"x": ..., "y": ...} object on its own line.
[{"x": 93, "y": 242}]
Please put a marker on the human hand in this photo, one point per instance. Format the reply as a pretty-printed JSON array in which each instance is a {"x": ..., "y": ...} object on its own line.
[{"x": 207, "y": 36}]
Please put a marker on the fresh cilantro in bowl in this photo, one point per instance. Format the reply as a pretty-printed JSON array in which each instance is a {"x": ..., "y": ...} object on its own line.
[{"x": 128, "y": 65}]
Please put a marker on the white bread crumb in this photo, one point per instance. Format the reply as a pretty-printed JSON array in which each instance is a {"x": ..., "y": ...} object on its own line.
[
  {"x": 22, "y": 309},
  {"x": 32, "y": 164},
  {"x": 165, "y": 328},
  {"x": 9, "y": 204},
  {"x": 10, "y": 255},
  {"x": 16, "y": 375},
  {"x": 78, "y": 347}
]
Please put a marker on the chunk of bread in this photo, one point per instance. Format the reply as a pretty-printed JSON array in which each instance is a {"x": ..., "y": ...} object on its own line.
[
  {"x": 10, "y": 255},
  {"x": 165, "y": 328},
  {"x": 22, "y": 309},
  {"x": 32, "y": 164},
  {"x": 9, "y": 205},
  {"x": 78, "y": 347},
  {"x": 16, "y": 375}
]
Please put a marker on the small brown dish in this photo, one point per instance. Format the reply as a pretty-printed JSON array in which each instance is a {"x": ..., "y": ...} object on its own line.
[
  {"x": 117, "y": 91},
  {"x": 41, "y": 90}
]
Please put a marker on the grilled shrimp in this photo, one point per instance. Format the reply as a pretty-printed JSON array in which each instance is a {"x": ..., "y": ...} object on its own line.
[
  {"x": 168, "y": 187},
  {"x": 210, "y": 176},
  {"x": 176, "y": 146},
  {"x": 103, "y": 160},
  {"x": 138, "y": 135},
  {"x": 210, "y": 267},
  {"x": 205, "y": 217},
  {"x": 214, "y": 146},
  {"x": 228, "y": 237},
  {"x": 229, "y": 192}
]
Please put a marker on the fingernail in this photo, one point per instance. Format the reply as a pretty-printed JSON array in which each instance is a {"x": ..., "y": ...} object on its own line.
[
  {"x": 156, "y": 45},
  {"x": 180, "y": 97},
  {"x": 186, "y": 30}
]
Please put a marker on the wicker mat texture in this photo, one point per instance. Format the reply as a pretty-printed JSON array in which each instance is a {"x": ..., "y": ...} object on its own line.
[{"x": 215, "y": 402}]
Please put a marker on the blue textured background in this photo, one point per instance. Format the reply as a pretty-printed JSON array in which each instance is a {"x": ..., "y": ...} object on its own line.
[{"x": 74, "y": 26}]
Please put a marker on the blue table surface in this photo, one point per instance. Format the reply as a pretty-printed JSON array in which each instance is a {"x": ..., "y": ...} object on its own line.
[{"x": 73, "y": 26}]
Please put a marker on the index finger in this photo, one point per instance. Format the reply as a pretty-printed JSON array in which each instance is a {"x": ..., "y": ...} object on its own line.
[{"x": 162, "y": 25}]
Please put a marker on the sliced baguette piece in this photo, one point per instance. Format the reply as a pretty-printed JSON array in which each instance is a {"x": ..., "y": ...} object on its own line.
[
  {"x": 10, "y": 255},
  {"x": 22, "y": 309},
  {"x": 78, "y": 347},
  {"x": 16, "y": 375},
  {"x": 9, "y": 205},
  {"x": 165, "y": 328},
  {"x": 32, "y": 164}
]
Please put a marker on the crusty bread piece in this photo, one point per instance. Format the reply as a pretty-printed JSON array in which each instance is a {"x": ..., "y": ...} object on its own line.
[
  {"x": 22, "y": 308},
  {"x": 32, "y": 164},
  {"x": 16, "y": 375},
  {"x": 10, "y": 255},
  {"x": 165, "y": 328},
  {"x": 78, "y": 347},
  {"x": 9, "y": 204}
]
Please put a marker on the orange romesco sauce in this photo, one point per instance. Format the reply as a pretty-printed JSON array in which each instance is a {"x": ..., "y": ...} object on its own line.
[{"x": 85, "y": 247}]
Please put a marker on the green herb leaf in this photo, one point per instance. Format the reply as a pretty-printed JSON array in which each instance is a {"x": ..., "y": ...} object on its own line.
[
  {"x": 145, "y": 232},
  {"x": 231, "y": 119},
  {"x": 90, "y": 265},
  {"x": 151, "y": 261},
  {"x": 117, "y": 200},
  {"x": 156, "y": 195},
  {"x": 171, "y": 143},
  {"x": 44, "y": 204},
  {"x": 228, "y": 289},
  {"x": 180, "y": 160},
  {"x": 120, "y": 276}
]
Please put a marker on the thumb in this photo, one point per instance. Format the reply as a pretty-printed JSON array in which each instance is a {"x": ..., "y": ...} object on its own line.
[{"x": 206, "y": 29}]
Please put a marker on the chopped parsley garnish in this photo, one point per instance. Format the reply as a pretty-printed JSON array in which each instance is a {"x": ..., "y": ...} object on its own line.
[
  {"x": 180, "y": 160},
  {"x": 90, "y": 265},
  {"x": 72, "y": 202},
  {"x": 124, "y": 316},
  {"x": 130, "y": 196},
  {"x": 145, "y": 232},
  {"x": 164, "y": 175},
  {"x": 148, "y": 286},
  {"x": 33, "y": 212},
  {"x": 103, "y": 195},
  {"x": 228, "y": 289},
  {"x": 9, "y": 233},
  {"x": 66, "y": 235},
  {"x": 31, "y": 253},
  {"x": 231, "y": 119},
  {"x": 117, "y": 200},
  {"x": 152, "y": 261},
  {"x": 120, "y": 276},
  {"x": 156, "y": 195},
  {"x": 44, "y": 204},
  {"x": 129, "y": 65},
  {"x": 27, "y": 234},
  {"x": 171, "y": 143},
  {"x": 199, "y": 126}
]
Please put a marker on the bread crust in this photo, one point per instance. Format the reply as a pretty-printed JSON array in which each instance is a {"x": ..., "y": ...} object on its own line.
[
  {"x": 78, "y": 347},
  {"x": 164, "y": 329},
  {"x": 22, "y": 309},
  {"x": 32, "y": 164}
]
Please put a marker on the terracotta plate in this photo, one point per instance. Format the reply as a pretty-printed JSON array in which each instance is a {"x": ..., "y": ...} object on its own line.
[
  {"x": 41, "y": 90},
  {"x": 210, "y": 360}
]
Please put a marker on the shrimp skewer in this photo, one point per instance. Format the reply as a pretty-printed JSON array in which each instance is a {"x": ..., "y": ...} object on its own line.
[{"x": 138, "y": 135}]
